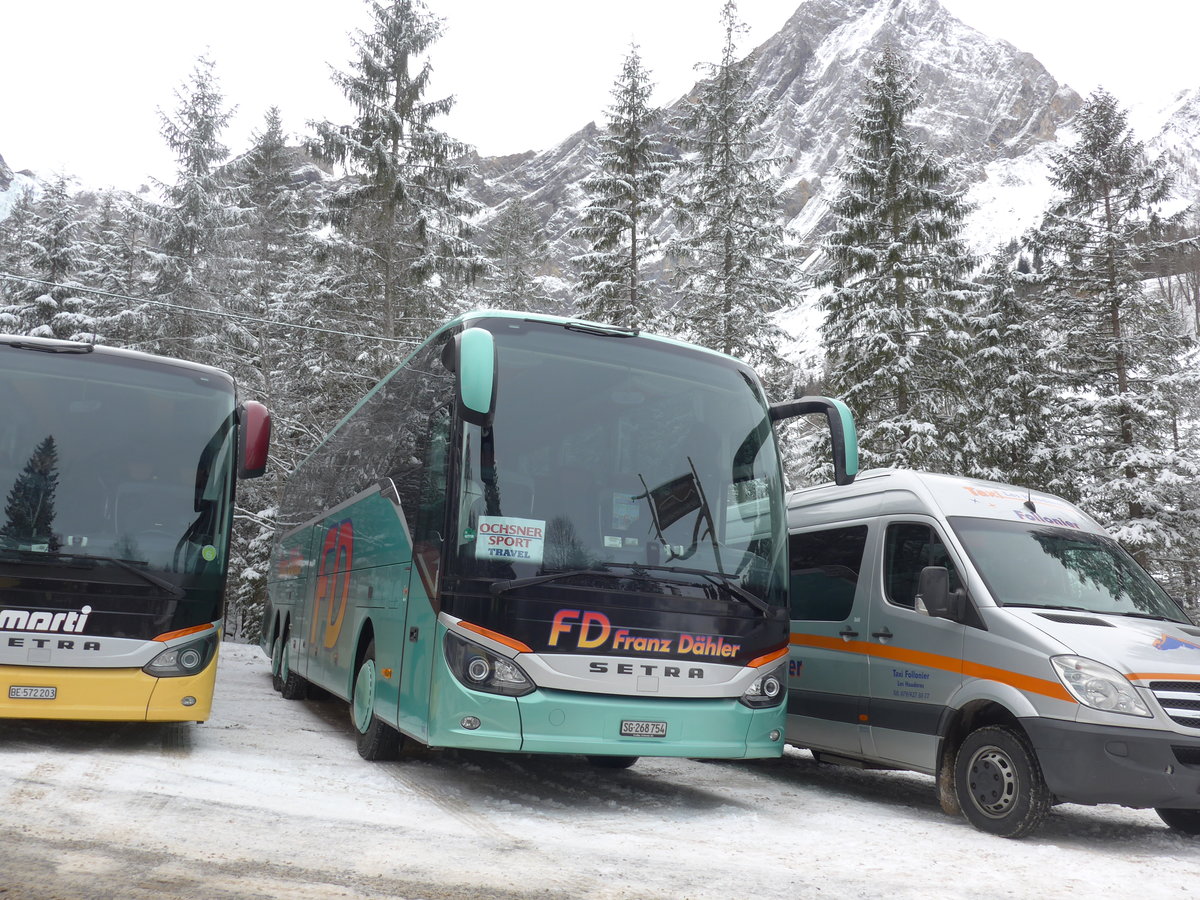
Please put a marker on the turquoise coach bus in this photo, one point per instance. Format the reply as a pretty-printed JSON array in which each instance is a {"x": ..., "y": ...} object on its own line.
[{"x": 547, "y": 536}]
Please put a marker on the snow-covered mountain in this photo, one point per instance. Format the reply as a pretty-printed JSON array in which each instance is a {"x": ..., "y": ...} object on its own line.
[
  {"x": 992, "y": 110},
  {"x": 11, "y": 185}
]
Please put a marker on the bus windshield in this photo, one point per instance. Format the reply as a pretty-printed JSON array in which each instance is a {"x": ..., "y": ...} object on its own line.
[
  {"x": 1057, "y": 568},
  {"x": 115, "y": 473},
  {"x": 616, "y": 454}
]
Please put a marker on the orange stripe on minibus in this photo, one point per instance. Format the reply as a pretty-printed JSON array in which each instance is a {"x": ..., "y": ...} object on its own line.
[
  {"x": 171, "y": 635},
  {"x": 1162, "y": 676},
  {"x": 1026, "y": 683},
  {"x": 767, "y": 658},
  {"x": 497, "y": 637}
]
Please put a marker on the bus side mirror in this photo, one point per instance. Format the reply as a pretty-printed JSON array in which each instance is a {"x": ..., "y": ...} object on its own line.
[
  {"x": 473, "y": 360},
  {"x": 254, "y": 439},
  {"x": 841, "y": 430},
  {"x": 933, "y": 592}
]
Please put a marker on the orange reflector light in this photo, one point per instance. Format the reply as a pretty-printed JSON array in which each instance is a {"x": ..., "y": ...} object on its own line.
[
  {"x": 767, "y": 658},
  {"x": 386, "y": 673},
  {"x": 171, "y": 635},
  {"x": 497, "y": 637}
]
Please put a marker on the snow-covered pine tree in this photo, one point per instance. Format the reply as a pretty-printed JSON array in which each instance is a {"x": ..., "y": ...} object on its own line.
[
  {"x": 1123, "y": 346},
  {"x": 1010, "y": 432},
  {"x": 624, "y": 195},
  {"x": 734, "y": 269},
  {"x": 15, "y": 230},
  {"x": 193, "y": 227},
  {"x": 404, "y": 204},
  {"x": 116, "y": 263},
  {"x": 894, "y": 333},
  {"x": 49, "y": 304},
  {"x": 518, "y": 250}
]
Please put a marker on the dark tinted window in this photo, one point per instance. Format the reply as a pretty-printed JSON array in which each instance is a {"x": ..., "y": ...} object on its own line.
[
  {"x": 824, "y": 572},
  {"x": 910, "y": 547}
]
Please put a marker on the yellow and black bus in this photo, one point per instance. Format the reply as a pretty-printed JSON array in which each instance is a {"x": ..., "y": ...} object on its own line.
[{"x": 117, "y": 474}]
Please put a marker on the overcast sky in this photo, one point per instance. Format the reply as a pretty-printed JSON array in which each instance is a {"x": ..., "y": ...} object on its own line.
[{"x": 81, "y": 81}]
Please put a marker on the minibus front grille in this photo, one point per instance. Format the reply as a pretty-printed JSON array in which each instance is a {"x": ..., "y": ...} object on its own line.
[{"x": 1180, "y": 700}]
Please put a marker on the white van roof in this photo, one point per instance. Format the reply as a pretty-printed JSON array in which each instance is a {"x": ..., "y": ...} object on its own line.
[{"x": 908, "y": 490}]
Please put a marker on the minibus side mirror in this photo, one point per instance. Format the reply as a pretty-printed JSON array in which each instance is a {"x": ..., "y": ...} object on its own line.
[
  {"x": 841, "y": 430},
  {"x": 933, "y": 592},
  {"x": 254, "y": 439},
  {"x": 472, "y": 357}
]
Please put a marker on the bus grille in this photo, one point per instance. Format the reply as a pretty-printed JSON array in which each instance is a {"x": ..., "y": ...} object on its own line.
[{"x": 1180, "y": 700}]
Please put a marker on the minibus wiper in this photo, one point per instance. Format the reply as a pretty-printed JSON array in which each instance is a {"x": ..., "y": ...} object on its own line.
[
  {"x": 37, "y": 556},
  {"x": 1049, "y": 606},
  {"x": 1156, "y": 616}
]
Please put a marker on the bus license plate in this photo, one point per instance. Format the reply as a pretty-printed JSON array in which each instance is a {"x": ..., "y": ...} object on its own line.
[
  {"x": 631, "y": 728},
  {"x": 17, "y": 692}
]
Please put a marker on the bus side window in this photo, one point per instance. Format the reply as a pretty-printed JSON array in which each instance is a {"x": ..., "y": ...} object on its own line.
[
  {"x": 824, "y": 572},
  {"x": 431, "y": 516},
  {"x": 910, "y": 547}
]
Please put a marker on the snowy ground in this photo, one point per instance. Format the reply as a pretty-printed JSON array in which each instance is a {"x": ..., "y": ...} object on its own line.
[{"x": 269, "y": 799}]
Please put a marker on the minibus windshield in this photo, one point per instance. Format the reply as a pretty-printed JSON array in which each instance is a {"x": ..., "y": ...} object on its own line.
[{"x": 1037, "y": 565}]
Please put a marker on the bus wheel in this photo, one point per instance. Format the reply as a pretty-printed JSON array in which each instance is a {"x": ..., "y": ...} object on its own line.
[
  {"x": 291, "y": 685},
  {"x": 999, "y": 783},
  {"x": 376, "y": 739},
  {"x": 1185, "y": 821},
  {"x": 277, "y": 663},
  {"x": 612, "y": 762}
]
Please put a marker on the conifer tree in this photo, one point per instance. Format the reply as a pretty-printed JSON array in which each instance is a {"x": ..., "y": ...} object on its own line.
[
  {"x": 29, "y": 510},
  {"x": 624, "y": 197},
  {"x": 49, "y": 303},
  {"x": 734, "y": 268},
  {"x": 894, "y": 330},
  {"x": 1122, "y": 346},
  {"x": 15, "y": 232},
  {"x": 194, "y": 225},
  {"x": 518, "y": 251},
  {"x": 116, "y": 262},
  {"x": 405, "y": 205}
]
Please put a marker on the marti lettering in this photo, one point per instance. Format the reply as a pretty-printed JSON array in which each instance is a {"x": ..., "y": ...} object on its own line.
[{"x": 56, "y": 622}]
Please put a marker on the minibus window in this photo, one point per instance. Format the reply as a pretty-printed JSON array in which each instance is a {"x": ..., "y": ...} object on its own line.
[
  {"x": 910, "y": 547},
  {"x": 824, "y": 572},
  {"x": 1040, "y": 565}
]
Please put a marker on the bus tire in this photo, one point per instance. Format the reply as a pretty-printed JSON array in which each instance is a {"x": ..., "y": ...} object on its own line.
[
  {"x": 277, "y": 663},
  {"x": 1185, "y": 821},
  {"x": 999, "y": 783},
  {"x": 291, "y": 685},
  {"x": 376, "y": 739},
  {"x": 612, "y": 762}
]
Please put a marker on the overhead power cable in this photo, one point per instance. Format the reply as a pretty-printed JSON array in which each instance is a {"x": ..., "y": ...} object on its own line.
[{"x": 204, "y": 312}]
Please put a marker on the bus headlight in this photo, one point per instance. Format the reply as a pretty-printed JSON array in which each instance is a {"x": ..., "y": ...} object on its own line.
[
  {"x": 186, "y": 659},
  {"x": 768, "y": 689},
  {"x": 1099, "y": 686},
  {"x": 482, "y": 670}
]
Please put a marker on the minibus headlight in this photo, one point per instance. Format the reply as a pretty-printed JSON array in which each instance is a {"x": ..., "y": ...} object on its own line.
[
  {"x": 186, "y": 659},
  {"x": 768, "y": 689},
  {"x": 1099, "y": 686},
  {"x": 482, "y": 670}
]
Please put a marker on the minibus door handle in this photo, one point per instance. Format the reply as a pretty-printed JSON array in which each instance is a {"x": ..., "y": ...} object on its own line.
[
  {"x": 846, "y": 634},
  {"x": 884, "y": 635}
]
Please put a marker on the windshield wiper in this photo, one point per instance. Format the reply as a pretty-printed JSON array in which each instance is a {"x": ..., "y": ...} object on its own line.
[
  {"x": 35, "y": 556},
  {"x": 501, "y": 587},
  {"x": 1050, "y": 606},
  {"x": 1156, "y": 616}
]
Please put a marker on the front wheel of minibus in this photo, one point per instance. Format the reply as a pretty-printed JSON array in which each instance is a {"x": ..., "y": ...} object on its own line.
[
  {"x": 376, "y": 739},
  {"x": 999, "y": 782},
  {"x": 1185, "y": 821}
]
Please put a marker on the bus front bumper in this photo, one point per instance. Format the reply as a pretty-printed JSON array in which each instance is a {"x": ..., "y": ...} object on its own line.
[
  {"x": 548, "y": 721},
  {"x": 106, "y": 695}
]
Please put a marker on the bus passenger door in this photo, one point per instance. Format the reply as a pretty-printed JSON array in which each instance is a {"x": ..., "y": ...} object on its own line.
[
  {"x": 827, "y": 671},
  {"x": 424, "y": 583}
]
